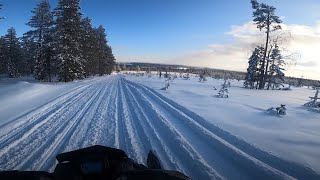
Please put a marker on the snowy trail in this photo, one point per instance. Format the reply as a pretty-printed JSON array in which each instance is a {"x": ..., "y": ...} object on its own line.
[{"x": 113, "y": 111}]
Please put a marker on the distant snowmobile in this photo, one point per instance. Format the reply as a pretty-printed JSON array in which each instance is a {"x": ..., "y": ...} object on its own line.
[{"x": 99, "y": 162}]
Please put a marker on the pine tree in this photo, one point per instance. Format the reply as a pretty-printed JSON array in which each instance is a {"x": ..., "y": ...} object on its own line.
[
  {"x": 13, "y": 54},
  {"x": 29, "y": 47},
  {"x": 110, "y": 60},
  {"x": 48, "y": 59},
  {"x": 89, "y": 46},
  {"x": 68, "y": 33},
  {"x": 223, "y": 92},
  {"x": 105, "y": 59},
  {"x": 253, "y": 70},
  {"x": 3, "y": 59},
  {"x": 265, "y": 18},
  {"x": 42, "y": 22},
  {"x": 276, "y": 75}
]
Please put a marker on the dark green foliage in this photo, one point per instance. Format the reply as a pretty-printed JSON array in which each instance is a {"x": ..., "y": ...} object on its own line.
[
  {"x": 68, "y": 33},
  {"x": 3, "y": 59},
  {"x": 41, "y": 37},
  {"x": 264, "y": 16},
  {"x": 29, "y": 47},
  {"x": 105, "y": 58},
  {"x": 89, "y": 46},
  {"x": 13, "y": 54}
]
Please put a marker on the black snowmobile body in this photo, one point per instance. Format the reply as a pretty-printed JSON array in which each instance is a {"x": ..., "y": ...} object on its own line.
[{"x": 99, "y": 162}]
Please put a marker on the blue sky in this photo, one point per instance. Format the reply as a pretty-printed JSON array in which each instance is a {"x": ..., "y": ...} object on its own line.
[{"x": 159, "y": 29}]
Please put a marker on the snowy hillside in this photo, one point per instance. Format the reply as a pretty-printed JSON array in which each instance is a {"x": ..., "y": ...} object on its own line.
[{"x": 191, "y": 130}]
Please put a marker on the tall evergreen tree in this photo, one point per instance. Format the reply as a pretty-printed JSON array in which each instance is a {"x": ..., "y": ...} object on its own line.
[
  {"x": 48, "y": 60},
  {"x": 68, "y": 33},
  {"x": 42, "y": 22},
  {"x": 110, "y": 60},
  {"x": 29, "y": 46},
  {"x": 89, "y": 46},
  {"x": 3, "y": 59},
  {"x": 265, "y": 18},
  {"x": 275, "y": 75},
  {"x": 105, "y": 57},
  {"x": 13, "y": 54}
]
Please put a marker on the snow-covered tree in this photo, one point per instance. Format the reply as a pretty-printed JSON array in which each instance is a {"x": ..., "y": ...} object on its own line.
[
  {"x": 202, "y": 77},
  {"x": 89, "y": 47},
  {"x": 48, "y": 60},
  {"x": 3, "y": 59},
  {"x": 106, "y": 60},
  {"x": 253, "y": 70},
  {"x": 223, "y": 92},
  {"x": 68, "y": 33},
  {"x": 275, "y": 74},
  {"x": 265, "y": 18},
  {"x": 41, "y": 21},
  {"x": 12, "y": 54},
  {"x": 110, "y": 60},
  {"x": 42, "y": 24},
  {"x": 314, "y": 101},
  {"x": 166, "y": 84},
  {"x": 30, "y": 47}
]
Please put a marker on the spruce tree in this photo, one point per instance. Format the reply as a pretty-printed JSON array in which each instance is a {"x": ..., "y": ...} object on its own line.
[
  {"x": 3, "y": 59},
  {"x": 105, "y": 59},
  {"x": 276, "y": 75},
  {"x": 68, "y": 33},
  {"x": 42, "y": 22},
  {"x": 13, "y": 54},
  {"x": 110, "y": 60},
  {"x": 29, "y": 46},
  {"x": 89, "y": 46},
  {"x": 253, "y": 69},
  {"x": 265, "y": 18}
]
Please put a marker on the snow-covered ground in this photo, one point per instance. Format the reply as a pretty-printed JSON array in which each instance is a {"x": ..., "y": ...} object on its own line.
[
  {"x": 19, "y": 96},
  {"x": 295, "y": 136},
  {"x": 42, "y": 120}
]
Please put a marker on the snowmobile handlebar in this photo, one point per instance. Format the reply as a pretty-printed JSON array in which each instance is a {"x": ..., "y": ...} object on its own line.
[{"x": 99, "y": 162}]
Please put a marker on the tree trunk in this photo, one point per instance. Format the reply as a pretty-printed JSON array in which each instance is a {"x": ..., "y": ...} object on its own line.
[
  {"x": 262, "y": 75},
  {"x": 267, "y": 66}
]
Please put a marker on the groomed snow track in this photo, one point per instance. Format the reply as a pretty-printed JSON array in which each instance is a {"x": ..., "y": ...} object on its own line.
[{"x": 113, "y": 111}]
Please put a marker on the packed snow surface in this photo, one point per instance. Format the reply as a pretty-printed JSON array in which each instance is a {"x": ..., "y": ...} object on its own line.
[{"x": 118, "y": 112}]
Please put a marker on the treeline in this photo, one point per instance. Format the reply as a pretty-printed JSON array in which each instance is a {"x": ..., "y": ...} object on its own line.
[{"x": 62, "y": 44}]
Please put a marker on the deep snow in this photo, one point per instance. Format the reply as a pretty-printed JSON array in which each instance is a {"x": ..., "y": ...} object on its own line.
[
  {"x": 295, "y": 136},
  {"x": 117, "y": 112}
]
